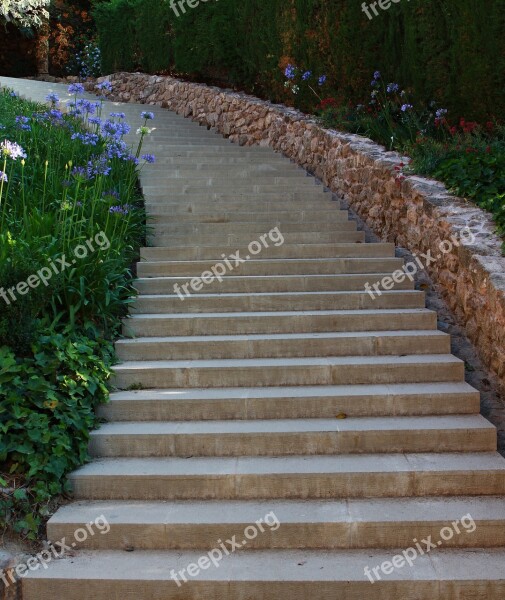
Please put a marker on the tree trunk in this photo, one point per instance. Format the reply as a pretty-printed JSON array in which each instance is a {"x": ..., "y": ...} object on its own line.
[{"x": 42, "y": 50}]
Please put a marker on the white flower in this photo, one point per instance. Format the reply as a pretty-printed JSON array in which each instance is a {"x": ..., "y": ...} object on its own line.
[
  {"x": 145, "y": 130},
  {"x": 295, "y": 89}
]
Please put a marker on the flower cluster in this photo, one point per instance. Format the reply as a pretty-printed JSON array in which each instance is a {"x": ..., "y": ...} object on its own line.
[
  {"x": 22, "y": 123},
  {"x": 296, "y": 78},
  {"x": 76, "y": 88},
  {"x": 111, "y": 131},
  {"x": 12, "y": 150},
  {"x": 120, "y": 210},
  {"x": 87, "y": 62}
]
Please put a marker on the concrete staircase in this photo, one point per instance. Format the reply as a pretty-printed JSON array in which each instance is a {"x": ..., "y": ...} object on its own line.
[{"x": 286, "y": 390}]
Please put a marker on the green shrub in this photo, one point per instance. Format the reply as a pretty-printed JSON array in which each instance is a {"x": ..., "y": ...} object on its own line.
[{"x": 46, "y": 413}]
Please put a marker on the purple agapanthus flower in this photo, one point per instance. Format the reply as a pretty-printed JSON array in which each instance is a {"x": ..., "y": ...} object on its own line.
[
  {"x": 377, "y": 75},
  {"x": 111, "y": 194},
  {"x": 79, "y": 173},
  {"x": 148, "y": 116},
  {"x": 98, "y": 165},
  {"x": 53, "y": 98},
  {"x": 104, "y": 86},
  {"x": 86, "y": 106},
  {"x": 22, "y": 123},
  {"x": 322, "y": 80},
  {"x": 76, "y": 88},
  {"x": 441, "y": 112},
  {"x": 290, "y": 72},
  {"x": 149, "y": 158},
  {"x": 392, "y": 88},
  {"x": 406, "y": 107},
  {"x": 131, "y": 158},
  {"x": 118, "y": 115},
  {"x": 88, "y": 139},
  {"x": 119, "y": 210},
  {"x": 12, "y": 150},
  {"x": 306, "y": 75},
  {"x": 116, "y": 148},
  {"x": 115, "y": 129}
]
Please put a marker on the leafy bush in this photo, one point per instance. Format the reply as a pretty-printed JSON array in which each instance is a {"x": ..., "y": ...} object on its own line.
[
  {"x": 71, "y": 223},
  {"x": 46, "y": 413}
]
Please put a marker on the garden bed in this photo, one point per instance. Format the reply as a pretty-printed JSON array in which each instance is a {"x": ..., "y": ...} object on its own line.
[{"x": 72, "y": 221}]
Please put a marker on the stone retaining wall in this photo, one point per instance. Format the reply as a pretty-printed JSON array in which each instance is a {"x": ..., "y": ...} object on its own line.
[{"x": 416, "y": 213}]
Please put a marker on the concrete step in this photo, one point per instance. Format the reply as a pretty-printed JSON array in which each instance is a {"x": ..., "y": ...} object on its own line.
[
  {"x": 207, "y": 147},
  {"x": 280, "y": 345},
  {"x": 201, "y": 179},
  {"x": 271, "y": 173},
  {"x": 243, "y": 239},
  {"x": 301, "y": 402},
  {"x": 362, "y": 435},
  {"x": 285, "y": 251},
  {"x": 251, "y": 230},
  {"x": 287, "y": 371},
  {"x": 262, "y": 284},
  {"x": 260, "y": 208},
  {"x": 445, "y": 574},
  {"x": 208, "y": 195},
  {"x": 237, "y": 216},
  {"x": 268, "y": 266},
  {"x": 204, "y": 160},
  {"x": 279, "y": 322},
  {"x": 272, "y": 301},
  {"x": 175, "y": 187},
  {"x": 289, "y": 477},
  {"x": 333, "y": 524}
]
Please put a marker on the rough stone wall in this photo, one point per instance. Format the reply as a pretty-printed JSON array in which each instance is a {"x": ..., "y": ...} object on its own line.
[{"x": 413, "y": 212}]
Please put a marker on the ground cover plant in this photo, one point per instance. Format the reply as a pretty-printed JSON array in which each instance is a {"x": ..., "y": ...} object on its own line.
[{"x": 71, "y": 223}]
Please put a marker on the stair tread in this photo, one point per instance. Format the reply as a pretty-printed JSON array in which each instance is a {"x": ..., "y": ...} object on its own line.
[
  {"x": 269, "y": 566},
  {"x": 278, "y": 426},
  {"x": 377, "y": 510},
  {"x": 415, "y": 464},
  {"x": 292, "y": 313},
  {"x": 210, "y": 394},
  {"x": 447, "y": 359}
]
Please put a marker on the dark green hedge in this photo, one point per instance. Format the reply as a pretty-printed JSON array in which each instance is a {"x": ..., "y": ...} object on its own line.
[{"x": 449, "y": 50}]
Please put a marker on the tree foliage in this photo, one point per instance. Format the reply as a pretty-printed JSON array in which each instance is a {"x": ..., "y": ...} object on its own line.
[{"x": 24, "y": 13}]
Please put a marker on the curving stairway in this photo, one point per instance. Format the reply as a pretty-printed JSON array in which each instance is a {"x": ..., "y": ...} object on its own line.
[{"x": 284, "y": 390}]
